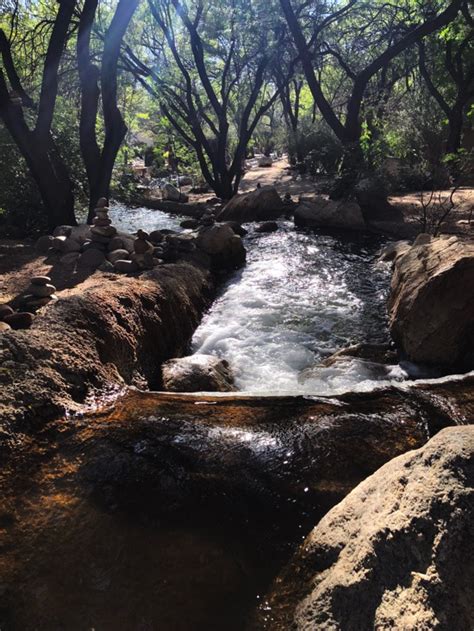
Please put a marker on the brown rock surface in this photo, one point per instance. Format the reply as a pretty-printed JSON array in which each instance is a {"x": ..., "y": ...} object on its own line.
[
  {"x": 397, "y": 553},
  {"x": 100, "y": 334},
  {"x": 431, "y": 304}
]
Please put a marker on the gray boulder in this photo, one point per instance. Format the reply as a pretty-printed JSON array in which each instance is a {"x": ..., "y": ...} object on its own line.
[
  {"x": 197, "y": 373},
  {"x": 396, "y": 553},
  {"x": 326, "y": 213},
  {"x": 263, "y": 204}
]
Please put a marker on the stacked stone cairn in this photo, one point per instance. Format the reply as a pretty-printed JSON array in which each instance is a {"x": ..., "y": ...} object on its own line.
[{"x": 39, "y": 293}]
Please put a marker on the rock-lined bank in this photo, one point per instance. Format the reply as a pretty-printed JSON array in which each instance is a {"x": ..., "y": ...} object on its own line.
[
  {"x": 176, "y": 511},
  {"x": 108, "y": 331}
]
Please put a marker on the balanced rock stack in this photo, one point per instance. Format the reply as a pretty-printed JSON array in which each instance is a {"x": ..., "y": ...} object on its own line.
[
  {"x": 39, "y": 293},
  {"x": 143, "y": 255},
  {"x": 208, "y": 218}
]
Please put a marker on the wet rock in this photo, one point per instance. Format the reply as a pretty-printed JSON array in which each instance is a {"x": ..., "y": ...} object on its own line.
[
  {"x": 267, "y": 226},
  {"x": 377, "y": 353},
  {"x": 402, "y": 543},
  {"x": 20, "y": 320},
  {"x": 326, "y": 213},
  {"x": 4, "y": 327},
  {"x": 5, "y": 310},
  {"x": 156, "y": 236},
  {"x": 189, "y": 224},
  {"x": 125, "y": 266},
  {"x": 44, "y": 243},
  {"x": 91, "y": 258},
  {"x": 223, "y": 246},
  {"x": 260, "y": 205},
  {"x": 197, "y": 373},
  {"x": 431, "y": 303},
  {"x": 237, "y": 228}
]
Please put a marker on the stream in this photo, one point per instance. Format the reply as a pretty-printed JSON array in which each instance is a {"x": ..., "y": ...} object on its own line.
[{"x": 301, "y": 297}]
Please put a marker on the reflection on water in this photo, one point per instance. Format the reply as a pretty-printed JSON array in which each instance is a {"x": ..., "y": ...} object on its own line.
[{"x": 301, "y": 297}]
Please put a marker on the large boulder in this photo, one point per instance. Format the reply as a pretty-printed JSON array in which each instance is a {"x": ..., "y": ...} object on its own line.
[
  {"x": 431, "y": 304},
  {"x": 198, "y": 373},
  {"x": 260, "y": 205},
  {"x": 222, "y": 245},
  {"x": 396, "y": 553},
  {"x": 326, "y": 213}
]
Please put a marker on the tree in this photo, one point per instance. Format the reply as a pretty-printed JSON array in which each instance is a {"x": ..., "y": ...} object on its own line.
[
  {"x": 209, "y": 65},
  {"x": 95, "y": 82},
  {"x": 30, "y": 123},
  {"x": 452, "y": 63},
  {"x": 405, "y": 28}
]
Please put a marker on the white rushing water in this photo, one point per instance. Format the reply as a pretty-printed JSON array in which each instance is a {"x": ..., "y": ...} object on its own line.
[
  {"x": 300, "y": 298},
  {"x": 131, "y": 219}
]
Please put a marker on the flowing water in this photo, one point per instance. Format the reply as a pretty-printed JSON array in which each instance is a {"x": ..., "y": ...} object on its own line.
[{"x": 301, "y": 297}]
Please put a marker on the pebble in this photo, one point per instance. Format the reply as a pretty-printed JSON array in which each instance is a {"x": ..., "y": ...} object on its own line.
[
  {"x": 40, "y": 280},
  {"x": 91, "y": 258},
  {"x": 21, "y": 320},
  {"x": 126, "y": 267},
  {"x": 5, "y": 310},
  {"x": 116, "y": 243},
  {"x": 102, "y": 203},
  {"x": 44, "y": 243},
  {"x": 41, "y": 291},
  {"x": 118, "y": 255},
  {"x": 102, "y": 222}
]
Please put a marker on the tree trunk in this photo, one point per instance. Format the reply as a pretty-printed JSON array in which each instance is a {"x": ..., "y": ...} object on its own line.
[{"x": 456, "y": 120}]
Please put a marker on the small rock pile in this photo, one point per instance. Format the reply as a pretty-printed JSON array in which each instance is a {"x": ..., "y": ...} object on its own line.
[
  {"x": 39, "y": 293},
  {"x": 9, "y": 319}
]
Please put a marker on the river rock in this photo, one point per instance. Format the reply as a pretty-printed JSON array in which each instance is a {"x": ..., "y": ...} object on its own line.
[
  {"x": 58, "y": 243},
  {"x": 260, "y": 205},
  {"x": 172, "y": 194},
  {"x": 4, "y": 327},
  {"x": 44, "y": 243},
  {"x": 5, "y": 310},
  {"x": 392, "y": 251},
  {"x": 126, "y": 267},
  {"x": 431, "y": 303},
  {"x": 40, "y": 280},
  {"x": 223, "y": 246},
  {"x": 118, "y": 255},
  {"x": 396, "y": 553},
  {"x": 189, "y": 224},
  {"x": 20, "y": 320},
  {"x": 70, "y": 245},
  {"x": 115, "y": 243},
  {"x": 106, "y": 266},
  {"x": 105, "y": 231},
  {"x": 62, "y": 231},
  {"x": 267, "y": 226},
  {"x": 265, "y": 161},
  {"x": 156, "y": 236},
  {"x": 326, "y": 213},
  {"x": 237, "y": 228},
  {"x": 197, "y": 373},
  {"x": 91, "y": 258},
  {"x": 41, "y": 291}
]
